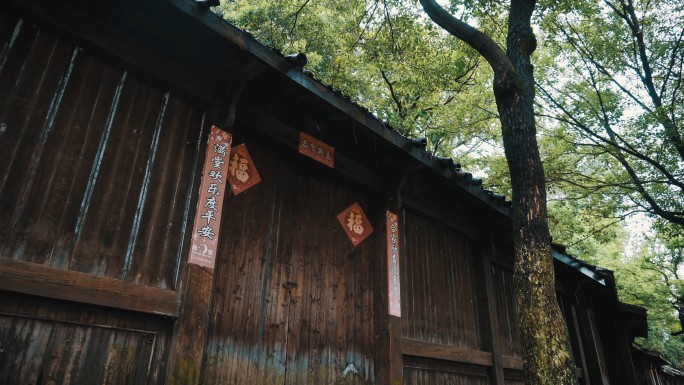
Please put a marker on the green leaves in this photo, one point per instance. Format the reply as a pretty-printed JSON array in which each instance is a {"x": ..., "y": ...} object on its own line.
[
  {"x": 619, "y": 99},
  {"x": 387, "y": 56}
]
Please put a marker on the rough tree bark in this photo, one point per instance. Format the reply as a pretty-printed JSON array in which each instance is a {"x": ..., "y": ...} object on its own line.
[{"x": 545, "y": 346}]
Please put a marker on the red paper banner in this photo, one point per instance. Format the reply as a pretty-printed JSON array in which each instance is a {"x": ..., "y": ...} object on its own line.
[
  {"x": 393, "y": 277},
  {"x": 316, "y": 150},
  {"x": 242, "y": 174},
  {"x": 355, "y": 223},
  {"x": 205, "y": 232}
]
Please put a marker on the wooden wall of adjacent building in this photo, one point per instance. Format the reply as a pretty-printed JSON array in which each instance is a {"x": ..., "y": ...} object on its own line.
[{"x": 97, "y": 173}]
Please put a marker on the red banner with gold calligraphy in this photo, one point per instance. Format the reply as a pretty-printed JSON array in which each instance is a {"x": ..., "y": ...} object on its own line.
[
  {"x": 393, "y": 277},
  {"x": 205, "y": 232}
]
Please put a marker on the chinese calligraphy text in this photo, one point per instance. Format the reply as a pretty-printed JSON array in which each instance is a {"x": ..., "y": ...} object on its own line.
[
  {"x": 393, "y": 285},
  {"x": 316, "y": 150},
  {"x": 208, "y": 218}
]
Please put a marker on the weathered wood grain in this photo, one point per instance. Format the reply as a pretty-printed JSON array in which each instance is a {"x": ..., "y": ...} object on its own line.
[
  {"x": 293, "y": 297},
  {"x": 187, "y": 346},
  {"x": 510, "y": 362},
  {"x": 438, "y": 273},
  {"x": 506, "y": 310},
  {"x": 96, "y": 165},
  {"x": 422, "y": 371},
  {"x": 48, "y": 341},
  {"x": 493, "y": 313}
]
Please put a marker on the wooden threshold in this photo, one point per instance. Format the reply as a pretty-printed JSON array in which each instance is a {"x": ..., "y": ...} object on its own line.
[
  {"x": 417, "y": 348},
  {"x": 51, "y": 282},
  {"x": 510, "y": 362},
  {"x": 423, "y": 349}
]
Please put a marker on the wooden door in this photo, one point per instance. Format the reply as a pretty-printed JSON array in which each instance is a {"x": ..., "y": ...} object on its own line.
[{"x": 292, "y": 301}]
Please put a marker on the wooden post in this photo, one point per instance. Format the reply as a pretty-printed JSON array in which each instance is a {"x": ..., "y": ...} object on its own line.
[
  {"x": 192, "y": 325},
  {"x": 190, "y": 331},
  {"x": 389, "y": 359}
]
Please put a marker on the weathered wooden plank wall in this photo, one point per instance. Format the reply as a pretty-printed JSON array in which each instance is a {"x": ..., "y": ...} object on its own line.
[
  {"x": 293, "y": 300},
  {"x": 96, "y": 166},
  {"x": 442, "y": 306},
  {"x": 509, "y": 333},
  {"x": 440, "y": 303},
  {"x": 78, "y": 344},
  {"x": 97, "y": 173}
]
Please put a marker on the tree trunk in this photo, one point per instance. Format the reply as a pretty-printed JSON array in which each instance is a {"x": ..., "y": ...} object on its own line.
[
  {"x": 545, "y": 345},
  {"x": 543, "y": 331}
]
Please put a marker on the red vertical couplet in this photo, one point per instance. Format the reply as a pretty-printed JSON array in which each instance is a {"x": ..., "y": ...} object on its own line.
[
  {"x": 205, "y": 232},
  {"x": 393, "y": 285}
]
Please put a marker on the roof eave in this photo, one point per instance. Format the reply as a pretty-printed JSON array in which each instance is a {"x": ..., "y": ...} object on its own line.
[{"x": 249, "y": 44}]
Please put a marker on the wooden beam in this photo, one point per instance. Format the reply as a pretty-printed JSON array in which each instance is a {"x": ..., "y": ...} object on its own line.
[
  {"x": 112, "y": 42},
  {"x": 51, "y": 282},
  {"x": 191, "y": 328},
  {"x": 263, "y": 124},
  {"x": 424, "y": 349}
]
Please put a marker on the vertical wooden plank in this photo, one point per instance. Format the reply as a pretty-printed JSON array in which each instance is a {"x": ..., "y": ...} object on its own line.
[
  {"x": 507, "y": 311},
  {"x": 624, "y": 347},
  {"x": 187, "y": 347},
  {"x": 247, "y": 336},
  {"x": 389, "y": 359},
  {"x": 487, "y": 271},
  {"x": 65, "y": 343},
  {"x": 591, "y": 344}
]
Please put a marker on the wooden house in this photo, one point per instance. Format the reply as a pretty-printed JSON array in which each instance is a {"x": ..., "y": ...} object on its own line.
[
  {"x": 653, "y": 369},
  {"x": 346, "y": 254}
]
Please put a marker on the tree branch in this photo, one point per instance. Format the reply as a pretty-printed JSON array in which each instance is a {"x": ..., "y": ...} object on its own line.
[
  {"x": 296, "y": 16},
  {"x": 400, "y": 108},
  {"x": 571, "y": 119},
  {"x": 482, "y": 43}
]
